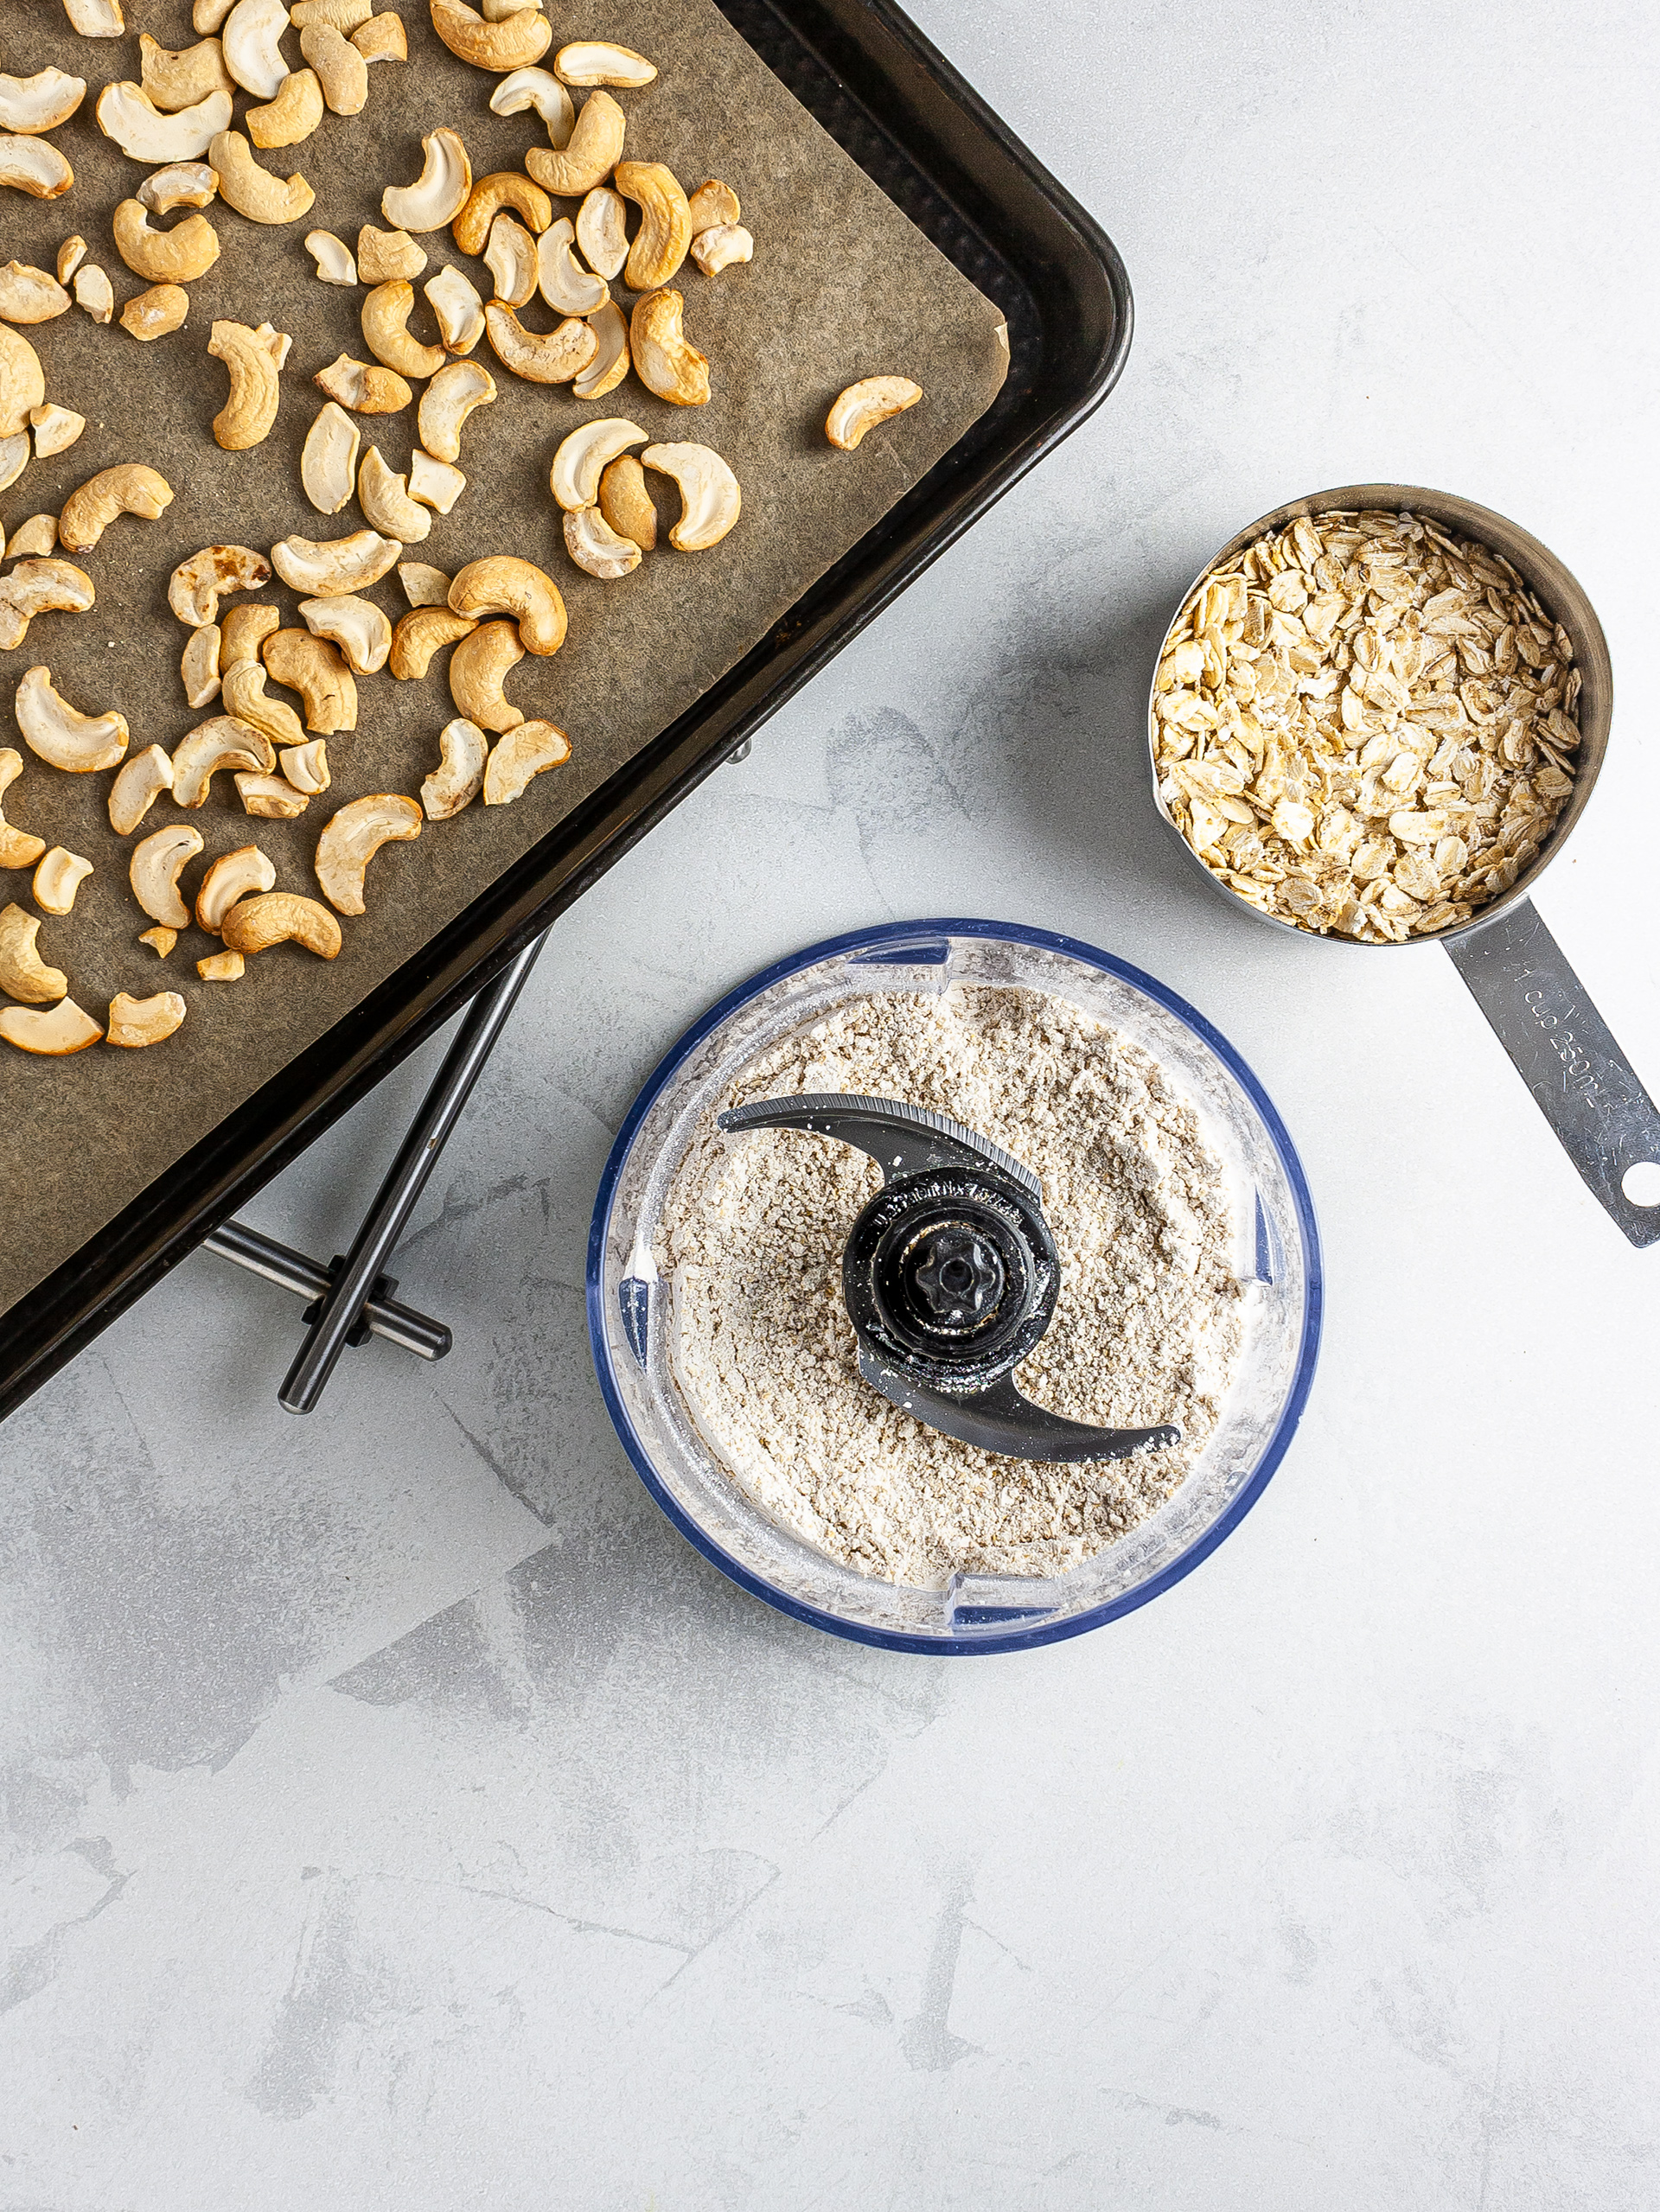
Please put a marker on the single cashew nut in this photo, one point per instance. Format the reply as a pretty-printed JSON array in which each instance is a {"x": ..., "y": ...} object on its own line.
[
  {"x": 568, "y": 288},
  {"x": 322, "y": 567},
  {"x": 64, "y": 737},
  {"x": 35, "y": 166},
  {"x": 181, "y": 184},
  {"x": 234, "y": 876},
  {"x": 199, "y": 665},
  {"x": 434, "y": 483},
  {"x": 221, "y": 968},
  {"x": 317, "y": 670},
  {"x": 66, "y": 1029},
  {"x": 513, "y": 43},
  {"x": 333, "y": 257},
  {"x": 478, "y": 668},
  {"x": 446, "y": 404},
  {"x": 95, "y": 18},
  {"x": 610, "y": 363},
  {"x": 306, "y": 766},
  {"x": 253, "y": 191},
  {"x": 156, "y": 313},
  {"x": 39, "y": 588},
  {"x": 138, "y": 1022},
  {"x": 127, "y": 114},
  {"x": 176, "y": 81},
  {"x": 665, "y": 223},
  {"x": 382, "y": 38},
  {"x": 57, "y": 879},
  {"x": 224, "y": 742},
  {"x": 245, "y": 418},
  {"x": 585, "y": 452},
  {"x": 712, "y": 206},
  {"x": 597, "y": 62},
  {"x": 351, "y": 839},
  {"x": 503, "y": 189},
  {"x": 537, "y": 88},
  {"x": 597, "y": 548},
  {"x": 138, "y": 782},
  {"x": 154, "y": 870},
  {"x": 523, "y": 753},
  {"x": 381, "y": 254},
  {"x": 501, "y": 583},
  {"x": 28, "y": 104},
  {"x": 384, "y": 317},
  {"x": 864, "y": 404},
  {"x": 161, "y": 941},
  {"x": 341, "y": 70},
  {"x": 440, "y": 192},
  {"x": 626, "y": 504},
  {"x": 282, "y": 918},
  {"x": 510, "y": 257},
  {"x": 383, "y": 495},
  {"x": 710, "y": 499},
  {"x": 22, "y": 382},
  {"x": 194, "y": 586},
  {"x": 459, "y": 778},
  {"x": 594, "y": 148},
  {"x": 293, "y": 115},
  {"x": 94, "y": 292},
  {"x": 28, "y": 295},
  {"x": 722, "y": 247},
  {"x": 243, "y": 634},
  {"x": 243, "y": 695},
  {"x": 424, "y": 585},
  {"x": 459, "y": 309},
  {"x": 39, "y": 535},
  {"x": 665, "y": 362},
  {"x": 24, "y": 974},
  {"x": 271, "y": 798},
  {"x": 555, "y": 357},
  {"x": 175, "y": 257},
  {"x": 420, "y": 634},
  {"x": 130, "y": 487},
  {"x": 251, "y": 42},
  {"x": 328, "y": 459},
  {"x": 364, "y": 389},
  {"x": 357, "y": 626},
  {"x": 602, "y": 230}
]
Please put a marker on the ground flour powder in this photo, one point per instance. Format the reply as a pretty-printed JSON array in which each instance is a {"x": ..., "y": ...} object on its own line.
[{"x": 1147, "y": 1327}]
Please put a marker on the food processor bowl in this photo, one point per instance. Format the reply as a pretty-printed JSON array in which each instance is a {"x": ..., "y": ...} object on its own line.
[{"x": 630, "y": 1311}]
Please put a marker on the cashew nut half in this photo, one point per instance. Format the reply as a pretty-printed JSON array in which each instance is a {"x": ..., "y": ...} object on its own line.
[
  {"x": 446, "y": 404},
  {"x": 281, "y": 918},
  {"x": 712, "y": 206},
  {"x": 364, "y": 389},
  {"x": 665, "y": 362},
  {"x": 864, "y": 404},
  {"x": 95, "y": 18},
  {"x": 314, "y": 669},
  {"x": 592, "y": 151},
  {"x": 568, "y": 288},
  {"x": 175, "y": 257},
  {"x": 234, "y": 876},
  {"x": 194, "y": 586},
  {"x": 306, "y": 766},
  {"x": 510, "y": 257},
  {"x": 478, "y": 668},
  {"x": 462, "y": 748},
  {"x": 597, "y": 62},
  {"x": 384, "y": 317},
  {"x": 293, "y": 115},
  {"x": 440, "y": 192},
  {"x": 138, "y": 1022},
  {"x": 602, "y": 230},
  {"x": 14, "y": 458},
  {"x": 34, "y": 166},
  {"x": 221, "y": 968},
  {"x": 39, "y": 535},
  {"x": 130, "y": 487},
  {"x": 251, "y": 41},
  {"x": 665, "y": 228},
  {"x": 30, "y": 294},
  {"x": 523, "y": 753},
  {"x": 181, "y": 184},
  {"x": 128, "y": 115},
  {"x": 333, "y": 257},
  {"x": 381, "y": 254},
  {"x": 382, "y": 38},
  {"x": 341, "y": 70},
  {"x": 610, "y": 364},
  {"x": 585, "y": 452},
  {"x": 161, "y": 941},
  {"x": 39, "y": 588},
  {"x": 513, "y": 42},
  {"x": 66, "y": 1029},
  {"x": 324, "y": 567},
  {"x": 179, "y": 79},
  {"x": 243, "y": 694},
  {"x": 137, "y": 784},
  {"x": 626, "y": 504},
  {"x": 154, "y": 870},
  {"x": 537, "y": 88},
  {"x": 710, "y": 499},
  {"x": 57, "y": 879},
  {"x": 357, "y": 626},
  {"x": 24, "y": 974},
  {"x": 555, "y": 357},
  {"x": 420, "y": 634},
  {"x": 253, "y": 191},
  {"x": 328, "y": 459},
  {"x": 434, "y": 483},
  {"x": 271, "y": 798},
  {"x": 82, "y": 743},
  {"x": 94, "y": 292},
  {"x": 17, "y": 848},
  {"x": 224, "y": 742},
  {"x": 502, "y": 584},
  {"x": 22, "y": 381},
  {"x": 424, "y": 585},
  {"x": 596, "y": 547},
  {"x": 152, "y": 314},
  {"x": 245, "y": 418},
  {"x": 199, "y": 665},
  {"x": 353, "y": 837},
  {"x": 459, "y": 307},
  {"x": 722, "y": 247},
  {"x": 502, "y": 188},
  {"x": 383, "y": 495},
  {"x": 29, "y": 104}
]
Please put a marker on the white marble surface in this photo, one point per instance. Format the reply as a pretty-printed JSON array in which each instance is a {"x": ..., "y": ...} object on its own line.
[{"x": 401, "y": 1816}]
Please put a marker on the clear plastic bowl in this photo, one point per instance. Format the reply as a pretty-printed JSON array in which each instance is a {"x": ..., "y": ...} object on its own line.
[{"x": 1278, "y": 1255}]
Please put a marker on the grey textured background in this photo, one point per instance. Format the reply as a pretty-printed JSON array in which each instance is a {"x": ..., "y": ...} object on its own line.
[{"x": 401, "y": 1816}]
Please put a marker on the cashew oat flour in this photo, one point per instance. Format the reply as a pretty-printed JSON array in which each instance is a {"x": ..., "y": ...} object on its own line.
[{"x": 1147, "y": 1327}]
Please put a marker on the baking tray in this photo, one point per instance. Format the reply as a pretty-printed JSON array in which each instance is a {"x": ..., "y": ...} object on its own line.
[{"x": 897, "y": 106}]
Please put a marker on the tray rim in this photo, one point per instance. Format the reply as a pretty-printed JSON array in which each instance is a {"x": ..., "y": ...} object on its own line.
[{"x": 128, "y": 1255}]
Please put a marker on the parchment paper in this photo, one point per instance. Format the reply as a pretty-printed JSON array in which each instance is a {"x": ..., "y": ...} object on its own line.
[{"x": 842, "y": 286}]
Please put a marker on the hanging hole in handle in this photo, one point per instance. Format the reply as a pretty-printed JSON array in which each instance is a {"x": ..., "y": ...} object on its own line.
[{"x": 1641, "y": 1182}]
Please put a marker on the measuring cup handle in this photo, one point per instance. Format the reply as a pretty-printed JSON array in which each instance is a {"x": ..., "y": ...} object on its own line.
[{"x": 1566, "y": 1056}]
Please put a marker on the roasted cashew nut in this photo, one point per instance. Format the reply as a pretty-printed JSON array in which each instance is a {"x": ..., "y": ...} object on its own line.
[
  {"x": 503, "y": 189},
  {"x": 513, "y": 43},
  {"x": 357, "y": 626},
  {"x": 130, "y": 487},
  {"x": 420, "y": 634},
  {"x": 440, "y": 192},
  {"x": 64, "y": 737},
  {"x": 293, "y": 115},
  {"x": 322, "y": 567},
  {"x": 609, "y": 362},
  {"x": 447, "y": 402},
  {"x": 175, "y": 257},
  {"x": 138, "y": 782},
  {"x": 665, "y": 362},
  {"x": 594, "y": 148},
  {"x": 710, "y": 499},
  {"x": 665, "y": 226},
  {"x": 23, "y": 973},
  {"x": 353, "y": 837},
  {"x": 384, "y": 317},
  {"x": 17, "y": 848},
  {"x": 224, "y": 742},
  {"x": 245, "y": 418},
  {"x": 154, "y": 870},
  {"x": 138, "y": 1022},
  {"x": 128, "y": 115},
  {"x": 39, "y": 588},
  {"x": 364, "y": 389},
  {"x": 478, "y": 668},
  {"x": 317, "y": 670},
  {"x": 282, "y": 918},
  {"x": 459, "y": 778},
  {"x": 29, "y": 104},
  {"x": 234, "y": 876},
  {"x": 555, "y": 357},
  {"x": 253, "y": 191},
  {"x": 522, "y": 754},
  {"x": 173, "y": 81},
  {"x": 501, "y": 583},
  {"x": 194, "y": 586},
  {"x": 585, "y": 452},
  {"x": 874, "y": 399}
]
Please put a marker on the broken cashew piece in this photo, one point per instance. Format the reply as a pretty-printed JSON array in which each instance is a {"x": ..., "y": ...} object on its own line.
[
  {"x": 38, "y": 536},
  {"x": 64, "y": 737},
  {"x": 24, "y": 974},
  {"x": 440, "y": 192},
  {"x": 174, "y": 80},
  {"x": 282, "y": 918},
  {"x": 502, "y": 584},
  {"x": 664, "y": 360},
  {"x": 522, "y": 754},
  {"x": 447, "y": 402},
  {"x": 154, "y": 870},
  {"x": 199, "y": 665},
  {"x": 381, "y": 254},
  {"x": 234, "y": 876},
  {"x": 478, "y": 668},
  {"x": 510, "y": 257},
  {"x": 512, "y": 43},
  {"x": 712, "y": 206},
  {"x": 253, "y": 191},
  {"x": 596, "y": 62},
  {"x": 221, "y": 968},
  {"x": 161, "y": 941},
  {"x": 17, "y": 848},
  {"x": 502, "y": 188},
  {"x": 138, "y": 1022},
  {"x": 306, "y": 766},
  {"x": 383, "y": 495},
  {"x": 154, "y": 313},
  {"x": 317, "y": 670},
  {"x": 459, "y": 309},
  {"x": 293, "y": 115},
  {"x": 34, "y": 166},
  {"x": 28, "y": 295},
  {"x": 271, "y": 797},
  {"x": 568, "y": 288},
  {"x": 459, "y": 778},
  {"x": 127, "y": 114},
  {"x": 30, "y": 105},
  {"x": 722, "y": 247},
  {"x": 610, "y": 364},
  {"x": 874, "y": 399},
  {"x": 592, "y": 151},
  {"x": 626, "y": 504},
  {"x": 243, "y": 695},
  {"x": 56, "y": 429},
  {"x": 95, "y": 18},
  {"x": 138, "y": 783},
  {"x": 324, "y": 567},
  {"x": 537, "y": 88},
  {"x": 602, "y": 230},
  {"x": 40, "y": 587},
  {"x": 420, "y": 634},
  {"x": 366, "y": 389},
  {"x": 59, "y": 876},
  {"x": 130, "y": 487},
  {"x": 381, "y": 38},
  {"x": 71, "y": 254},
  {"x": 194, "y": 587},
  {"x": 66, "y": 1029},
  {"x": 710, "y": 499},
  {"x": 175, "y": 257},
  {"x": 14, "y": 458},
  {"x": 384, "y": 317},
  {"x": 585, "y": 452},
  {"x": 252, "y": 43},
  {"x": 328, "y": 459},
  {"x": 341, "y": 70},
  {"x": 434, "y": 483},
  {"x": 597, "y": 548},
  {"x": 554, "y": 358},
  {"x": 424, "y": 585},
  {"x": 353, "y": 837},
  {"x": 665, "y": 229},
  {"x": 245, "y": 418},
  {"x": 333, "y": 257},
  {"x": 181, "y": 184},
  {"x": 94, "y": 292},
  {"x": 357, "y": 626}
]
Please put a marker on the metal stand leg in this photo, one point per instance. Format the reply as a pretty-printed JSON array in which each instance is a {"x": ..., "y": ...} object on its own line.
[{"x": 352, "y": 1299}]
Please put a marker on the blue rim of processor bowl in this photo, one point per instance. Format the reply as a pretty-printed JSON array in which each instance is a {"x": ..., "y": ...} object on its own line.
[{"x": 892, "y": 934}]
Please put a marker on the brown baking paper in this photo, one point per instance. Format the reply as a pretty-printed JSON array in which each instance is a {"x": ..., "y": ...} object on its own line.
[{"x": 842, "y": 286}]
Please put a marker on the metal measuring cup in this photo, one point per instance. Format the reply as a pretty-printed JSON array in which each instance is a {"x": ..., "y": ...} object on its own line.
[{"x": 1537, "y": 1006}]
